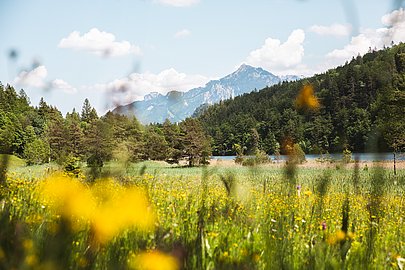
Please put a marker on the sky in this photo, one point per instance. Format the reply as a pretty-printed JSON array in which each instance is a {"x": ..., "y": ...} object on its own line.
[{"x": 116, "y": 51}]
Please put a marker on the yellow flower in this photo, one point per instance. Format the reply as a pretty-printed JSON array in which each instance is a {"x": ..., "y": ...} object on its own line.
[
  {"x": 107, "y": 206},
  {"x": 131, "y": 209},
  {"x": 67, "y": 196},
  {"x": 306, "y": 98},
  {"x": 31, "y": 260},
  {"x": 337, "y": 237},
  {"x": 154, "y": 261},
  {"x": 28, "y": 244},
  {"x": 256, "y": 257},
  {"x": 213, "y": 234}
]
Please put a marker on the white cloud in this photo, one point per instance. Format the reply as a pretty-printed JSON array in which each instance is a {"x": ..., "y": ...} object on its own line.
[
  {"x": 393, "y": 18},
  {"x": 98, "y": 42},
  {"x": 179, "y": 3},
  {"x": 182, "y": 33},
  {"x": 36, "y": 78},
  {"x": 163, "y": 82},
  {"x": 33, "y": 78},
  {"x": 331, "y": 30},
  {"x": 373, "y": 38},
  {"x": 279, "y": 57},
  {"x": 59, "y": 84},
  {"x": 137, "y": 85},
  {"x": 359, "y": 45}
]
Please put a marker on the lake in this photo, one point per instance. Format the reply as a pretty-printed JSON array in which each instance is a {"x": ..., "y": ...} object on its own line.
[{"x": 359, "y": 156}]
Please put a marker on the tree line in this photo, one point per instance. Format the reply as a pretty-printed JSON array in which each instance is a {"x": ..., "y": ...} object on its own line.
[
  {"x": 41, "y": 134},
  {"x": 362, "y": 105},
  {"x": 362, "y": 108}
]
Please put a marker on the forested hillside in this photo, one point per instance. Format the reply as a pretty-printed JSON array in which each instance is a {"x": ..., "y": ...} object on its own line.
[
  {"x": 41, "y": 134},
  {"x": 362, "y": 105}
]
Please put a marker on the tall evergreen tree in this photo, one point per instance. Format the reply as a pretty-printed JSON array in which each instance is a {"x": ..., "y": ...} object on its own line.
[
  {"x": 88, "y": 112},
  {"x": 196, "y": 144}
]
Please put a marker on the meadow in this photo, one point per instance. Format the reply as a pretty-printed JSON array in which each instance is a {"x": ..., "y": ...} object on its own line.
[{"x": 152, "y": 215}]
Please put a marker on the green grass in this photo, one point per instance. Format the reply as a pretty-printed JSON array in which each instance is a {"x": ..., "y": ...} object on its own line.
[
  {"x": 13, "y": 161},
  {"x": 257, "y": 222}
]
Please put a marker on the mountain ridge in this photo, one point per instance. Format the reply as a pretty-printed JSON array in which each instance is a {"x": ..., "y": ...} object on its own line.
[{"x": 176, "y": 105}]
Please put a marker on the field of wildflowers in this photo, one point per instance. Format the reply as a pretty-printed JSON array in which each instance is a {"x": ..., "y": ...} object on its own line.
[{"x": 156, "y": 216}]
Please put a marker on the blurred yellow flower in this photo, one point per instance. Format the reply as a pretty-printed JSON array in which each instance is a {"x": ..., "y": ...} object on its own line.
[
  {"x": 306, "y": 98},
  {"x": 130, "y": 209},
  {"x": 256, "y": 257},
  {"x": 107, "y": 206},
  {"x": 28, "y": 244},
  {"x": 337, "y": 237},
  {"x": 31, "y": 260},
  {"x": 68, "y": 197},
  {"x": 154, "y": 261}
]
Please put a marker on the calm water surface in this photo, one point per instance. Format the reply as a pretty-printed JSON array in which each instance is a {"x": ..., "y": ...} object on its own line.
[{"x": 359, "y": 156}]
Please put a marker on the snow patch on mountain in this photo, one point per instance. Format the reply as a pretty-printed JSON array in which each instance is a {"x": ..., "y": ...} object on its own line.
[{"x": 176, "y": 106}]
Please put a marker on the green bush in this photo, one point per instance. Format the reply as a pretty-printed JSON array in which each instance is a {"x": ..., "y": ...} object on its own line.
[
  {"x": 260, "y": 158},
  {"x": 36, "y": 152},
  {"x": 297, "y": 155},
  {"x": 72, "y": 166},
  {"x": 347, "y": 156},
  {"x": 95, "y": 161}
]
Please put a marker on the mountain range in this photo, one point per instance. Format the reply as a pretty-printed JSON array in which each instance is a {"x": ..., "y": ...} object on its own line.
[{"x": 176, "y": 105}]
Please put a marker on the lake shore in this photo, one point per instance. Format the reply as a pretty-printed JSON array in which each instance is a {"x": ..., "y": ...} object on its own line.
[{"x": 388, "y": 164}]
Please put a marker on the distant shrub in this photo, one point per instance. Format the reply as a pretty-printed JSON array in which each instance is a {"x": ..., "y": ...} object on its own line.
[
  {"x": 239, "y": 159},
  {"x": 72, "y": 167},
  {"x": 260, "y": 157},
  {"x": 347, "y": 156},
  {"x": 36, "y": 152},
  {"x": 248, "y": 161},
  {"x": 296, "y": 154},
  {"x": 239, "y": 153},
  {"x": 95, "y": 161},
  {"x": 325, "y": 159}
]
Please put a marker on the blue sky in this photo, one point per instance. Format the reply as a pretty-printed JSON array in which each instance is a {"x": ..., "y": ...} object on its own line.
[{"x": 116, "y": 51}]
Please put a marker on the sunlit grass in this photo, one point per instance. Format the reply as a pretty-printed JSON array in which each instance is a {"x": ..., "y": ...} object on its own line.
[{"x": 157, "y": 215}]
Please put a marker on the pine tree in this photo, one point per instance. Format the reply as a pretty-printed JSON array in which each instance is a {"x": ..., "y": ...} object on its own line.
[
  {"x": 87, "y": 112},
  {"x": 196, "y": 144},
  {"x": 74, "y": 134}
]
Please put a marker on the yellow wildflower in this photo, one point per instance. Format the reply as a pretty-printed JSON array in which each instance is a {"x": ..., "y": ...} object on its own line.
[
  {"x": 68, "y": 197},
  {"x": 28, "y": 244},
  {"x": 108, "y": 207},
  {"x": 337, "y": 237},
  {"x": 154, "y": 261},
  {"x": 31, "y": 260},
  {"x": 130, "y": 209}
]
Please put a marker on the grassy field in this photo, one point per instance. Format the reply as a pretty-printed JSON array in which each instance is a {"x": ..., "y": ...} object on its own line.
[{"x": 152, "y": 215}]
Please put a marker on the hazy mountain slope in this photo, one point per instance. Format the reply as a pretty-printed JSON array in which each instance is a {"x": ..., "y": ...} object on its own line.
[{"x": 176, "y": 105}]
